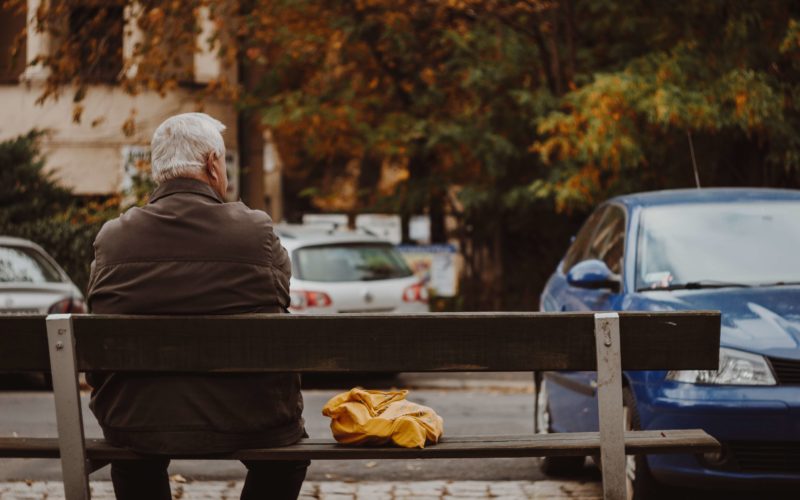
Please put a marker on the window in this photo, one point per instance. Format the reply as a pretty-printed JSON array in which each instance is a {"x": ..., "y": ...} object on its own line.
[
  {"x": 608, "y": 243},
  {"x": 749, "y": 243},
  {"x": 349, "y": 262},
  {"x": 96, "y": 37},
  {"x": 170, "y": 48},
  {"x": 26, "y": 265},
  {"x": 579, "y": 249},
  {"x": 12, "y": 24}
]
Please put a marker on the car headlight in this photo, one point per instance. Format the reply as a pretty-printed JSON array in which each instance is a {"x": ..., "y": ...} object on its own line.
[{"x": 735, "y": 368}]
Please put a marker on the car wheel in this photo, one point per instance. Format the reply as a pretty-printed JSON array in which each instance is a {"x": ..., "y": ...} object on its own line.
[
  {"x": 640, "y": 482},
  {"x": 552, "y": 466}
]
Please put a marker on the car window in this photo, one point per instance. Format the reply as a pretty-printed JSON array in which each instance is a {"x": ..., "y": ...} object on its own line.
[
  {"x": 608, "y": 242},
  {"x": 349, "y": 262},
  {"x": 25, "y": 265},
  {"x": 749, "y": 243},
  {"x": 579, "y": 250}
]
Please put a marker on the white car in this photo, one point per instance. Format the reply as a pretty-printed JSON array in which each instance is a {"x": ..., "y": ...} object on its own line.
[
  {"x": 32, "y": 283},
  {"x": 335, "y": 271}
]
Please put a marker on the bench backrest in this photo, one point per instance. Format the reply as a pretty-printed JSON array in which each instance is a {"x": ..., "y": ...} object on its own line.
[
  {"x": 607, "y": 342},
  {"x": 359, "y": 342}
]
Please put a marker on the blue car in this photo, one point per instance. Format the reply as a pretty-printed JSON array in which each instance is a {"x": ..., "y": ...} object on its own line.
[{"x": 733, "y": 250}]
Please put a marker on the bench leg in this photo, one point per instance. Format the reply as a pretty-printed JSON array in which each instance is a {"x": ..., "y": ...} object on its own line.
[
  {"x": 63, "y": 365},
  {"x": 609, "y": 401}
]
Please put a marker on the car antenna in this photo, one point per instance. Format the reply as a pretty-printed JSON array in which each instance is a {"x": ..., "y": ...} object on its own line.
[{"x": 694, "y": 161}]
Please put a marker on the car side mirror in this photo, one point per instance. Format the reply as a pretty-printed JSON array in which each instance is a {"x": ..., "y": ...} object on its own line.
[{"x": 594, "y": 274}]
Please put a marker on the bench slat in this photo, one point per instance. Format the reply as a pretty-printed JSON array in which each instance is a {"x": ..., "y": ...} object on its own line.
[
  {"x": 373, "y": 343},
  {"x": 391, "y": 343},
  {"x": 23, "y": 344},
  {"x": 576, "y": 444}
]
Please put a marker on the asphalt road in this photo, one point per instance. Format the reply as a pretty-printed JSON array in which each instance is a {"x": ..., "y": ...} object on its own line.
[{"x": 469, "y": 403}]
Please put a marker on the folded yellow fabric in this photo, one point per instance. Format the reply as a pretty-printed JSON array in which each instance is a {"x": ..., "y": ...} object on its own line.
[{"x": 367, "y": 417}]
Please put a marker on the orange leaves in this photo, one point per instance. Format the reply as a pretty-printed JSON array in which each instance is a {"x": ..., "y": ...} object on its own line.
[
  {"x": 593, "y": 138},
  {"x": 791, "y": 42},
  {"x": 741, "y": 102},
  {"x": 77, "y": 112},
  {"x": 155, "y": 15},
  {"x": 428, "y": 76},
  {"x": 129, "y": 126}
]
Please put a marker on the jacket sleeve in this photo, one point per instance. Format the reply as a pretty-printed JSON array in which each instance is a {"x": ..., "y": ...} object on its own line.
[
  {"x": 92, "y": 286},
  {"x": 92, "y": 276},
  {"x": 282, "y": 269}
]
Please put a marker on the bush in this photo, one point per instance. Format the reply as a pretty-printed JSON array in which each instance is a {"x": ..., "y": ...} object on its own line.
[{"x": 26, "y": 191}]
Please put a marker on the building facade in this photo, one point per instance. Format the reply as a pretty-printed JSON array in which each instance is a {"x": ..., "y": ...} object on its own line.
[{"x": 95, "y": 156}]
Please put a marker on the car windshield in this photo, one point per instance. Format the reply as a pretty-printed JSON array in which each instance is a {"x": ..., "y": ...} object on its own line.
[
  {"x": 719, "y": 245},
  {"x": 349, "y": 262},
  {"x": 25, "y": 265}
]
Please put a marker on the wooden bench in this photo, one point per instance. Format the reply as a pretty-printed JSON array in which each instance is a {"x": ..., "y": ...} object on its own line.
[{"x": 606, "y": 342}]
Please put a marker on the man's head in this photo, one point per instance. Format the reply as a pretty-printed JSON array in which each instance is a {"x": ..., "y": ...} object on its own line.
[{"x": 190, "y": 145}]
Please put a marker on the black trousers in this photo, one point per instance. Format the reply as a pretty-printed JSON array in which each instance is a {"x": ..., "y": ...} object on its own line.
[{"x": 266, "y": 480}]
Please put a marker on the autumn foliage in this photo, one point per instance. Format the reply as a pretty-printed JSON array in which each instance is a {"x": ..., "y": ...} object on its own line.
[{"x": 495, "y": 111}]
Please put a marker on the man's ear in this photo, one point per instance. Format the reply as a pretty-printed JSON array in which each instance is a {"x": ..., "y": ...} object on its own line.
[{"x": 211, "y": 170}]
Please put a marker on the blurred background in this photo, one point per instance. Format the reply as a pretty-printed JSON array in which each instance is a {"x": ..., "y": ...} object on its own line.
[{"x": 481, "y": 131}]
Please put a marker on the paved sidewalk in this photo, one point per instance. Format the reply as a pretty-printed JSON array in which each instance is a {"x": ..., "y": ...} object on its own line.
[{"x": 331, "y": 490}]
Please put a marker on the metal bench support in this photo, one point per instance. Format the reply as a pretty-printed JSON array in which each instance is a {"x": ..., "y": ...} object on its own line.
[
  {"x": 61, "y": 344},
  {"x": 609, "y": 401}
]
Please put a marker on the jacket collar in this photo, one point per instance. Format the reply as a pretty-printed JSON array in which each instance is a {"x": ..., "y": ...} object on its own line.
[{"x": 184, "y": 185}]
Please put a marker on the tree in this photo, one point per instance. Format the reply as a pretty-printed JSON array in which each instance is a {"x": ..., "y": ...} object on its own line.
[
  {"x": 723, "y": 75},
  {"x": 500, "y": 112}
]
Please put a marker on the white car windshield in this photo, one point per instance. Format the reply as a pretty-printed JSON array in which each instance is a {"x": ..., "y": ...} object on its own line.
[
  {"x": 25, "y": 265},
  {"x": 719, "y": 245},
  {"x": 349, "y": 262}
]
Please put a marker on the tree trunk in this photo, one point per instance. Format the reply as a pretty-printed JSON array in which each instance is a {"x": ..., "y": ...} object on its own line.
[
  {"x": 497, "y": 285},
  {"x": 418, "y": 173},
  {"x": 251, "y": 159},
  {"x": 436, "y": 213},
  {"x": 251, "y": 132}
]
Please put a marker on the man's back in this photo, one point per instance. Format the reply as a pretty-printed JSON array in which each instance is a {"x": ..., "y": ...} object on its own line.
[
  {"x": 186, "y": 244},
  {"x": 188, "y": 253}
]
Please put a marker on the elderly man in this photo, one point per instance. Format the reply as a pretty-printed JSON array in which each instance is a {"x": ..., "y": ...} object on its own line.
[{"x": 188, "y": 252}]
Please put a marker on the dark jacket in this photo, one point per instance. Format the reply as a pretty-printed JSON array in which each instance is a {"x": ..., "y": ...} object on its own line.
[{"x": 187, "y": 252}]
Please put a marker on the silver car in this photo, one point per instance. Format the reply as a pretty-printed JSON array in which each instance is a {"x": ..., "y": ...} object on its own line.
[
  {"x": 336, "y": 271},
  {"x": 32, "y": 283}
]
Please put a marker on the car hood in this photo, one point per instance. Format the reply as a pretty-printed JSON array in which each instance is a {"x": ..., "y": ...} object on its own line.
[{"x": 761, "y": 320}]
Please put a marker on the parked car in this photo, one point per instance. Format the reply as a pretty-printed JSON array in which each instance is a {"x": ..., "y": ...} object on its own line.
[
  {"x": 335, "y": 271},
  {"x": 733, "y": 250},
  {"x": 32, "y": 283}
]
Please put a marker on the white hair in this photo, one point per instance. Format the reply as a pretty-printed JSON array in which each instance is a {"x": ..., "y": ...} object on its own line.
[{"x": 181, "y": 145}]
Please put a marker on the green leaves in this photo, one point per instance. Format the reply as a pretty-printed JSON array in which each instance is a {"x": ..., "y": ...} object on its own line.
[{"x": 725, "y": 71}]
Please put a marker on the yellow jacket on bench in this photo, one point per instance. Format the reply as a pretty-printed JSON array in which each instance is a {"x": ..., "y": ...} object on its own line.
[{"x": 376, "y": 417}]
